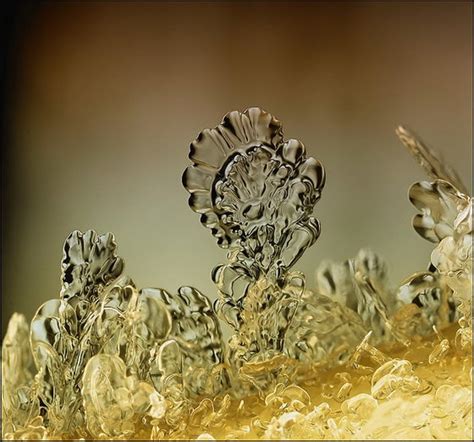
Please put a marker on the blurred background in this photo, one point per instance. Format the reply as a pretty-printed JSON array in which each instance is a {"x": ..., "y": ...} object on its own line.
[{"x": 103, "y": 99}]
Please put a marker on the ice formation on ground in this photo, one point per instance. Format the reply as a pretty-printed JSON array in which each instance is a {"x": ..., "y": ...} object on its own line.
[{"x": 356, "y": 358}]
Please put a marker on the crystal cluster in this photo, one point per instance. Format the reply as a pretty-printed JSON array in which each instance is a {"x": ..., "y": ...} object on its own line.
[{"x": 356, "y": 358}]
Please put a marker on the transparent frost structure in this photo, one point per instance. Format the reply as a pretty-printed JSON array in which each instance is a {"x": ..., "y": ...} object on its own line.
[{"x": 358, "y": 357}]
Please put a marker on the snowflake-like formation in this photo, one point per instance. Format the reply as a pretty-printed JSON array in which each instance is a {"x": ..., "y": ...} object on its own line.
[{"x": 255, "y": 191}]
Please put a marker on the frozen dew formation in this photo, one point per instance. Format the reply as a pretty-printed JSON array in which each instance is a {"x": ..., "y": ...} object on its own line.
[{"x": 358, "y": 357}]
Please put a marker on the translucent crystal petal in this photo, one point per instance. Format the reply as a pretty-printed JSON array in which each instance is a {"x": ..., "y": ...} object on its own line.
[
  {"x": 89, "y": 260},
  {"x": 435, "y": 167},
  {"x": 18, "y": 404},
  {"x": 361, "y": 285},
  {"x": 113, "y": 402},
  {"x": 440, "y": 203},
  {"x": 196, "y": 330}
]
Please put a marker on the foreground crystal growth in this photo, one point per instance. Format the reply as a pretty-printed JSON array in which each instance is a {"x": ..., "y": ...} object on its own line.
[{"x": 357, "y": 358}]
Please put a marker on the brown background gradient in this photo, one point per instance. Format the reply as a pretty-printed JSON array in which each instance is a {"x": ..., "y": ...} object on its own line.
[{"x": 107, "y": 97}]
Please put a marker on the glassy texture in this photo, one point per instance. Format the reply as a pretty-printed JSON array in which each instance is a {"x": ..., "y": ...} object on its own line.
[
  {"x": 256, "y": 192},
  {"x": 358, "y": 357}
]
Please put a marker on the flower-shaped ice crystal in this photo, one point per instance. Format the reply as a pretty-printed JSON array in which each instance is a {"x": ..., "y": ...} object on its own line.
[{"x": 255, "y": 191}]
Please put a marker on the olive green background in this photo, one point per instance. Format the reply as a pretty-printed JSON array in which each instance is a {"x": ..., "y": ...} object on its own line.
[{"x": 107, "y": 97}]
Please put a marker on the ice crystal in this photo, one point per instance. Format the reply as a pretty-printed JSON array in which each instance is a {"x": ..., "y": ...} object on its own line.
[
  {"x": 356, "y": 358},
  {"x": 256, "y": 192}
]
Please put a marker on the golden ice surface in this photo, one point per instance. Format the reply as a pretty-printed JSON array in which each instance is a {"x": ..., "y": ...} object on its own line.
[{"x": 356, "y": 358}]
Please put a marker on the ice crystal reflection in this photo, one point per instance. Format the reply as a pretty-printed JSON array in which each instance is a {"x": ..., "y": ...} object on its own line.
[{"x": 358, "y": 357}]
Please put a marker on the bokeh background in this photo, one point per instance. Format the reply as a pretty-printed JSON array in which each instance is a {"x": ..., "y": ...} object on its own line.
[{"x": 104, "y": 99}]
